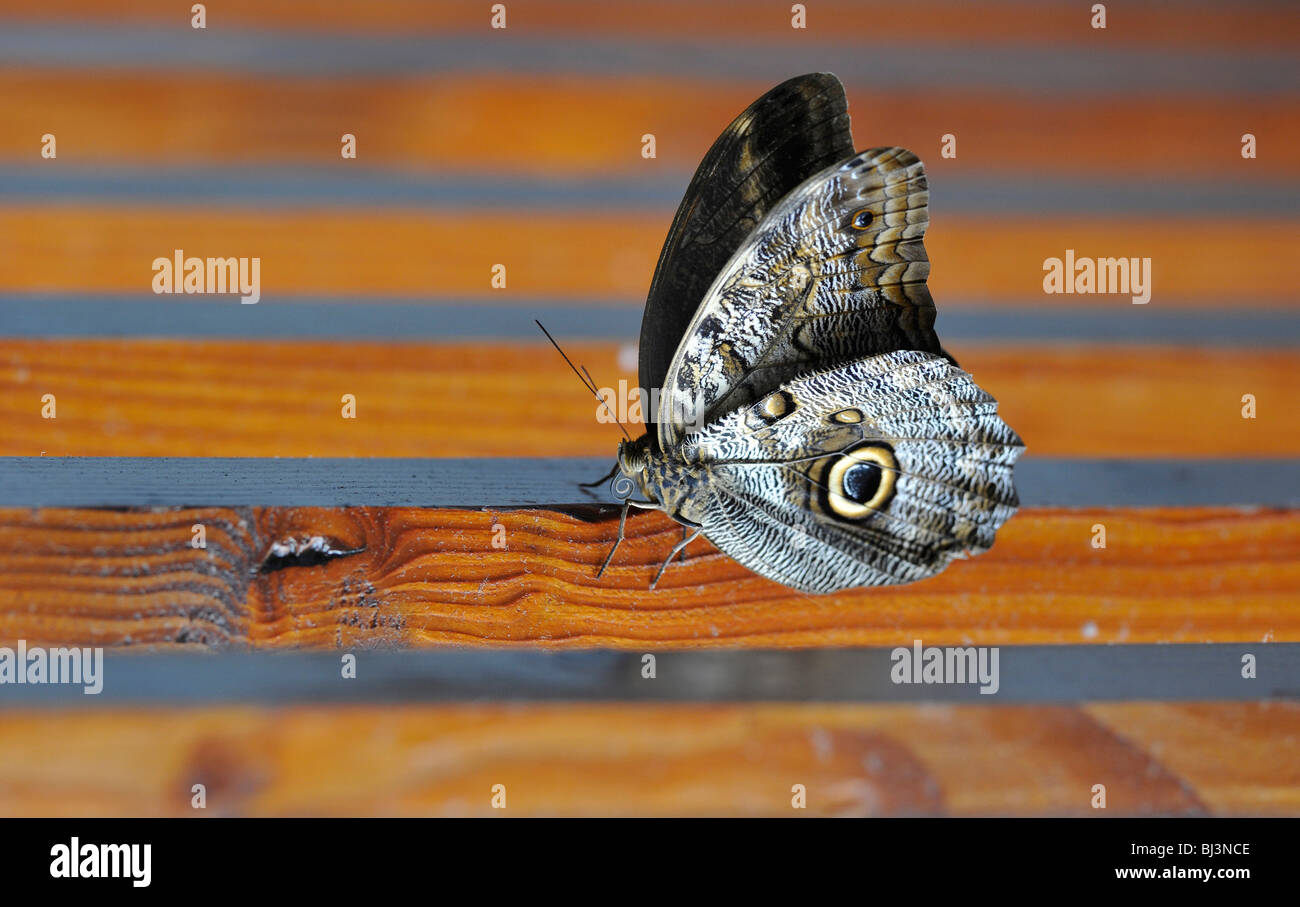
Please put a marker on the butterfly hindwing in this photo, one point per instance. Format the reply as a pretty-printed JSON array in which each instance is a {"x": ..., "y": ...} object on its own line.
[
  {"x": 881, "y": 470},
  {"x": 795, "y": 130},
  {"x": 833, "y": 273}
]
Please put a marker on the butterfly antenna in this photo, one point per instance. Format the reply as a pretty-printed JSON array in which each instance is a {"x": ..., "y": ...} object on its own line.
[{"x": 585, "y": 378}]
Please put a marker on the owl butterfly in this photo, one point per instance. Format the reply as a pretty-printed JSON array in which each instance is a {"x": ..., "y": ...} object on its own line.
[{"x": 809, "y": 423}]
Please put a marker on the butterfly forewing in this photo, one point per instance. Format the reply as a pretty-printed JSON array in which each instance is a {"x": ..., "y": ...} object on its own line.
[
  {"x": 790, "y": 133},
  {"x": 833, "y": 273}
]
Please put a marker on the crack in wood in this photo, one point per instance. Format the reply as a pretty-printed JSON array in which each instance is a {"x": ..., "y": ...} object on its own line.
[{"x": 310, "y": 551}]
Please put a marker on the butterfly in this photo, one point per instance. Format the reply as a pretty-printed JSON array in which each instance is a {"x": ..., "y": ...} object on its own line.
[{"x": 809, "y": 423}]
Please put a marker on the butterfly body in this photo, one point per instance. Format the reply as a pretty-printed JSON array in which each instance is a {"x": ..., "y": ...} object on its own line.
[
  {"x": 810, "y": 424},
  {"x": 677, "y": 485}
]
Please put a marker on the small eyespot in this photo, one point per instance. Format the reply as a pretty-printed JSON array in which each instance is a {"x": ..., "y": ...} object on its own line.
[
  {"x": 770, "y": 409},
  {"x": 847, "y": 416},
  {"x": 861, "y": 219},
  {"x": 778, "y": 405}
]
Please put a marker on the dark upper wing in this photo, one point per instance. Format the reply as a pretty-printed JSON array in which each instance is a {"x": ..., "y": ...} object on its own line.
[{"x": 795, "y": 130}]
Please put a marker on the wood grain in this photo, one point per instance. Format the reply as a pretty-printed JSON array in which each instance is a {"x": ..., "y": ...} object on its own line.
[
  {"x": 571, "y": 124},
  {"x": 260, "y": 398},
  {"x": 595, "y": 257},
  {"x": 428, "y": 578},
  {"x": 1155, "y": 759}
]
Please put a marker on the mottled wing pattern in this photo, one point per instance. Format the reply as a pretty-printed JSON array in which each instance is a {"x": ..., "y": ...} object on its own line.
[
  {"x": 835, "y": 272},
  {"x": 879, "y": 471},
  {"x": 795, "y": 130}
]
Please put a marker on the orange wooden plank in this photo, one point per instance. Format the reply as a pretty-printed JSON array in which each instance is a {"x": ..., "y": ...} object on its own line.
[
  {"x": 1223, "y": 775},
  {"x": 1155, "y": 759},
  {"x": 264, "y": 398},
  {"x": 1239, "y": 25},
  {"x": 596, "y": 257},
  {"x": 548, "y": 125},
  {"x": 431, "y": 577}
]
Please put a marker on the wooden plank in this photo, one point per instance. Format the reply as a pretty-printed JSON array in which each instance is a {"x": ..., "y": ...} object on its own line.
[
  {"x": 1223, "y": 774},
  {"x": 439, "y": 319},
  {"x": 1155, "y": 759},
  {"x": 146, "y": 316},
  {"x": 228, "y": 398},
  {"x": 986, "y": 195},
  {"x": 558, "y": 482},
  {"x": 430, "y": 577},
  {"x": 1004, "y": 675},
  {"x": 1015, "y": 70},
  {"x": 565, "y": 124},
  {"x": 1146, "y": 26},
  {"x": 596, "y": 256}
]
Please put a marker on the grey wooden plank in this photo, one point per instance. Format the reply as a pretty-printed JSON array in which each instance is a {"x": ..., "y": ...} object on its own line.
[
  {"x": 1037, "y": 69},
  {"x": 271, "y": 186},
  {"x": 1024, "y": 674},
  {"x": 312, "y": 318},
  {"x": 518, "y": 482},
  {"x": 1109, "y": 321}
]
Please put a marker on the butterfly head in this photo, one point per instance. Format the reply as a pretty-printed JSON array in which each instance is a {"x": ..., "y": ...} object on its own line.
[
  {"x": 634, "y": 462},
  {"x": 634, "y": 456}
]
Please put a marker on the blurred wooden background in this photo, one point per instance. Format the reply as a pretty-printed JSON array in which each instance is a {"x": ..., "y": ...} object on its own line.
[
  {"x": 523, "y": 146},
  {"x": 1154, "y": 758}
]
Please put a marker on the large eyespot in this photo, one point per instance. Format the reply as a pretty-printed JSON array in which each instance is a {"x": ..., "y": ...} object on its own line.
[
  {"x": 862, "y": 219},
  {"x": 862, "y": 481}
]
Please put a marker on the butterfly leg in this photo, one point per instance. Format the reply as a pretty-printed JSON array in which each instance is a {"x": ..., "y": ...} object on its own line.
[
  {"x": 686, "y": 540},
  {"x": 622, "y": 522}
]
